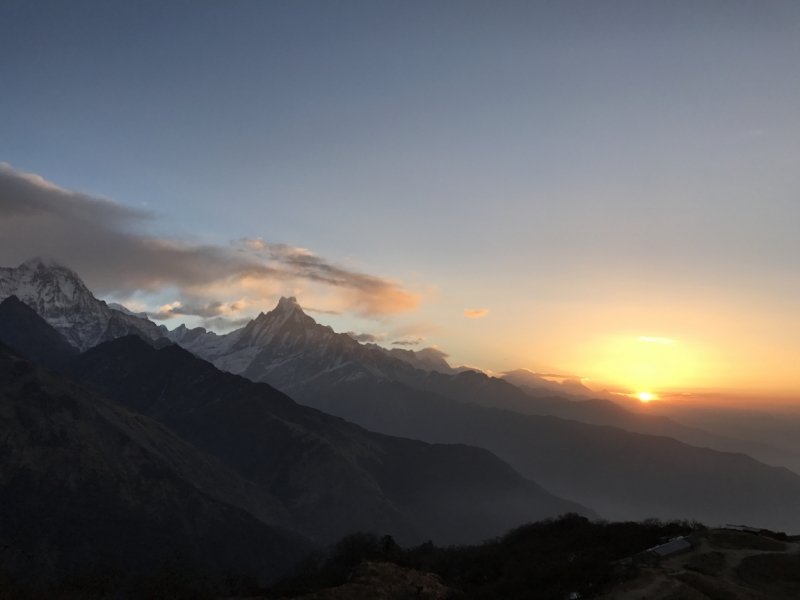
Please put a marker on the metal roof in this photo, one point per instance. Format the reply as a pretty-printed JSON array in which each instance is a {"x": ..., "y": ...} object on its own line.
[
  {"x": 671, "y": 547},
  {"x": 742, "y": 528}
]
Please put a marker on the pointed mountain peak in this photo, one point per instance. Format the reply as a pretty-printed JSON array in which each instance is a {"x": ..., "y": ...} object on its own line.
[
  {"x": 283, "y": 311},
  {"x": 33, "y": 263},
  {"x": 288, "y": 304},
  {"x": 37, "y": 262},
  {"x": 40, "y": 266}
]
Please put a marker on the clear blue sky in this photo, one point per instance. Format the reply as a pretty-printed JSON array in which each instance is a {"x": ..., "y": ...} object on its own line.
[{"x": 589, "y": 172}]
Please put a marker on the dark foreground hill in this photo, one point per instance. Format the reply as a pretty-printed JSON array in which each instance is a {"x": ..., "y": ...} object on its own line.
[
  {"x": 622, "y": 475},
  {"x": 548, "y": 560},
  {"x": 85, "y": 483},
  {"x": 30, "y": 336},
  {"x": 568, "y": 558},
  {"x": 332, "y": 476}
]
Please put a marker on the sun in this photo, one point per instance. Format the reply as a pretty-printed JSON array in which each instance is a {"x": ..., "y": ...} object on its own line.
[{"x": 645, "y": 396}]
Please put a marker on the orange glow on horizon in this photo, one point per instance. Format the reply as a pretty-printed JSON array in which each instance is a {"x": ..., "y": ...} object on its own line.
[{"x": 635, "y": 362}]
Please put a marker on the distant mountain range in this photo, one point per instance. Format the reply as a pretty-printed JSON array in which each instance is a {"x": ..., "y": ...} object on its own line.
[
  {"x": 289, "y": 350},
  {"x": 298, "y": 470},
  {"x": 622, "y": 475},
  {"x": 287, "y": 465},
  {"x": 332, "y": 476}
]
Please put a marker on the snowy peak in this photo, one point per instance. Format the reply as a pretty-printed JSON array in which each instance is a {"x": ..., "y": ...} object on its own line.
[
  {"x": 287, "y": 305},
  {"x": 61, "y": 298},
  {"x": 426, "y": 359},
  {"x": 53, "y": 290},
  {"x": 286, "y": 322}
]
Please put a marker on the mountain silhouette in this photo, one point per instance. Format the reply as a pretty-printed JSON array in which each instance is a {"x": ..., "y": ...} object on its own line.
[
  {"x": 621, "y": 474},
  {"x": 87, "y": 483},
  {"x": 332, "y": 476}
]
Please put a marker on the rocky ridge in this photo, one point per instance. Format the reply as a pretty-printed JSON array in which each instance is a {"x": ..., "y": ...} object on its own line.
[{"x": 59, "y": 296}]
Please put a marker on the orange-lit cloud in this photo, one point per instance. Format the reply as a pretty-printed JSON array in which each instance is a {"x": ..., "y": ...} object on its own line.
[
  {"x": 105, "y": 244},
  {"x": 364, "y": 294},
  {"x": 207, "y": 311},
  {"x": 321, "y": 311},
  {"x": 475, "y": 313}
]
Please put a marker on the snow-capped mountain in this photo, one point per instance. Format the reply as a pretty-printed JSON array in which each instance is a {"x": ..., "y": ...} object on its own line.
[
  {"x": 284, "y": 347},
  {"x": 427, "y": 359},
  {"x": 59, "y": 296},
  {"x": 289, "y": 350},
  {"x": 292, "y": 352}
]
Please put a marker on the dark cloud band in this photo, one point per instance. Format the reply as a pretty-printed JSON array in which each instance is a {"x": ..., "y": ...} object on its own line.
[{"x": 107, "y": 245}]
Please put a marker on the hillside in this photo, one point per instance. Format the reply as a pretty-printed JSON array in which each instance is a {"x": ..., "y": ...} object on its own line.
[
  {"x": 333, "y": 477},
  {"x": 622, "y": 475},
  {"x": 85, "y": 483}
]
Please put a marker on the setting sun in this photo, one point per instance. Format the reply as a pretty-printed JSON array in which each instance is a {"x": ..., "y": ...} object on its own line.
[{"x": 644, "y": 396}]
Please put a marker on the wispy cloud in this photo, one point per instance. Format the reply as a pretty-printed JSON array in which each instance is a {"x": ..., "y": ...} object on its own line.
[
  {"x": 475, "y": 313},
  {"x": 321, "y": 311},
  {"x": 408, "y": 342},
  {"x": 656, "y": 340},
  {"x": 367, "y": 294},
  {"x": 108, "y": 245},
  {"x": 224, "y": 323},
  {"x": 367, "y": 337},
  {"x": 434, "y": 350},
  {"x": 209, "y": 310}
]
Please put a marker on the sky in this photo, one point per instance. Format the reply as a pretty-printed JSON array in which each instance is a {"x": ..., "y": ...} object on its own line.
[{"x": 609, "y": 190}]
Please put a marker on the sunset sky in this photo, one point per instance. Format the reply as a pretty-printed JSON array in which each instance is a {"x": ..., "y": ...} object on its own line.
[{"x": 609, "y": 190}]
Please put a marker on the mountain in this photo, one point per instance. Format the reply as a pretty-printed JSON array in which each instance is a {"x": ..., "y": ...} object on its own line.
[
  {"x": 603, "y": 467},
  {"x": 84, "y": 483},
  {"x": 27, "y": 334},
  {"x": 621, "y": 474},
  {"x": 314, "y": 471},
  {"x": 427, "y": 359},
  {"x": 535, "y": 384},
  {"x": 59, "y": 296},
  {"x": 127, "y": 311},
  {"x": 332, "y": 476},
  {"x": 292, "y": 352},
  {"x": 289, "y": 350}
]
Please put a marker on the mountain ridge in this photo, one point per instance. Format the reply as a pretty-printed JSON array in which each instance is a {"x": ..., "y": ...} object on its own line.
[
  {"x": 333, "y": 476},
  {"x": 60, "y": 297},
  {"x": 289, "y": 350},
  {"x": 85, "y": 482}
]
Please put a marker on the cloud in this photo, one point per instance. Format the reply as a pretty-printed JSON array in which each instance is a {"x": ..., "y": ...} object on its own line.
[
  {"x": 475, "y": 314},
  {"x": 209, "y": 310},
  {"x": 107, "y": 244},
  {"x": 409, "y": 342},
  {"x": 656, "y": 340},
  {"x": 223, "y": 323},
  {"x": 320, "y": 311},
  {"x": 366, "y": 294},
  {"x": 434, "y": 351},
  {"x": 367, "y": 337}
]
